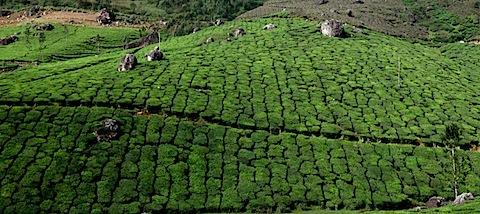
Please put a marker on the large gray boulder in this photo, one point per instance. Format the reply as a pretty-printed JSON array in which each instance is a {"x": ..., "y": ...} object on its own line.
[
  {"x": 332, "y": 28},
  {"x": 466, "y": 196},
  {"x": 105, "y": 17},
  {"x": 154, "y": 55},
  {"x": 434, "y": 202},
  {"x": 128, "y": 62}
]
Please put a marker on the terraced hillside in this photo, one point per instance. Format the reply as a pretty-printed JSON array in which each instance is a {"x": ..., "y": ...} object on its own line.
[
  {"x": 285, "y": 120},
  {"x": 444, "y": 21}
]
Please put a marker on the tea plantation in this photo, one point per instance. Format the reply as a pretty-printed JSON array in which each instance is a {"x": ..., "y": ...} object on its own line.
[{"x": 284, "y": 121}]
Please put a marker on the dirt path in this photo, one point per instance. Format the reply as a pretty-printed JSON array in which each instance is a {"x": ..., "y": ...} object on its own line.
[{"x": 62, "y": 17}]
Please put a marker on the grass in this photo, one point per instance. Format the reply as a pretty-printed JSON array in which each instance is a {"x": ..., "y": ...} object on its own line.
[{"x": 290, "y": 120}]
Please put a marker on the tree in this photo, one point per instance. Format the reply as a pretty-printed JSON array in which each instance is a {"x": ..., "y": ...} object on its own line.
[
  {"x": 97, "y": 39},
  {"x": 41, "y": 41},
  {"x": 27, "y": 36},
  {"x": 451, "y": 139},
  {"x": 65, "y": 30}
]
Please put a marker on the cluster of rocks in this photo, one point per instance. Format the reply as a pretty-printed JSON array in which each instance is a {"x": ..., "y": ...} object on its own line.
[
  {"x": 43, "y": 27},
  {"x": 129, "y": 61},
  {"x": 437, "y": 201},
  {"x": 8, "y": 40},
  {"x": 105, "y": 17},
  {"x": 151, "y": 38},
  {"x": 107, "y": 132}
]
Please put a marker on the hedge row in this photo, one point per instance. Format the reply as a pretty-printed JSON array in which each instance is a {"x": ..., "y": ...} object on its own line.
[
  {"x": 289, "y": 79},
  {"x": 53, "y": 164}
]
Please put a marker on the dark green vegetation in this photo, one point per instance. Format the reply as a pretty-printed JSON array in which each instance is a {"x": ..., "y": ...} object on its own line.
[
  {"x": 273, "y": 127},
  {"x": 445, "y": 21},
  {"x": 53, "y": 164},
  {"x": 76, "y": 42}
]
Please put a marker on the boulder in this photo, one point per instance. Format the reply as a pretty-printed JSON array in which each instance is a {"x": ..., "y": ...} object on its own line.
[
  {"x": 239, "y": 32},
  {"x": 320, "y": 2},
  {"x": 269, "y": 27},
  {"x": 107, "y": 132},
  {"x": 128, "y": 62},
  {"x": 225, "y": 41},
  {"x": 105, "y": 17},
  {"x": 5, "y": 13},
  {"x": 151, "y": 38},
  {"x": 466, "y": 196},
  {"x": 8, "y": 40},
  {"x": 32, "y": 11},
  {"x": 210, "y": 39},
  {"x": 218, "y": 22},
  {"x": 428, "y": 8},
  {"x": 349, "y": 13},
  {"x": 411, "y": 18},
  {"x": 43, "y": 27},
  {"x": 434, "y": 202},
  {"x": 332, "y": 28},
  {"x": 154, "y": 55},
  {"x": 196, "y": 29}
]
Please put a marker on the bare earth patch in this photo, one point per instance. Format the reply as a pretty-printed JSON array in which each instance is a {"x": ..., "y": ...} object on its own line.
[{"x": 62, "y": 17}]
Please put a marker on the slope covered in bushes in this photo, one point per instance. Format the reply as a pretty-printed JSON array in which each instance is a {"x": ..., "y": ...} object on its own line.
[
  {"x": 52, "y": 163},
  {"x": 273, "y": 120},
  {"x": 288, "y": 79}
]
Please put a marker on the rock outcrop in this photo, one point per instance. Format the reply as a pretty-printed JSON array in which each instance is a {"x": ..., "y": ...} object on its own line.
[
  {"x": 239, "y": 32},
  {"x": 8, "y": 40},
  {"x": 209, "y": 40},
  {"x": 332, "y": 28},
  {"x": 105, "y": 17},
  {"x": 128, "y": 62},
  {"x": 434, "y": 202},
  {"x": 43, "y": 27},
  {"x": 33, "y": 11},
  {"x": 466, "y": 196},
  {"x": 107, "y": 132},
  {"x": 151, "y": 38},
  {"x": 269, "y": 27},
  {"x": 218, "y": 22},
  {"x": 320, "y": 2},
  {"x": 349, "y": 13},
  {"x": 154, "y": 55}
]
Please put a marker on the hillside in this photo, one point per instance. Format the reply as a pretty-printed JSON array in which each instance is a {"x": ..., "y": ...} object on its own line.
[
  {"x": 443, "y": 21},
  {"x": 286, "y": 119}
]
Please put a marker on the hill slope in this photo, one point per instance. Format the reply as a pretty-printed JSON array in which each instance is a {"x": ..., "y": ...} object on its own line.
[
  {"x": 444, "y": 21},
  {"x": 288, "y": 79},
  {"x": 286, "y": 119}
]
